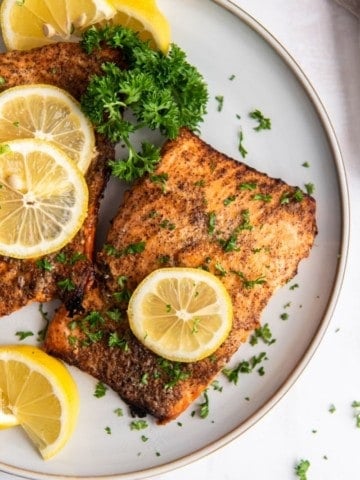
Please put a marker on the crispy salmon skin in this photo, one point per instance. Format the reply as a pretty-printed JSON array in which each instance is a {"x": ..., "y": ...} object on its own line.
[
  {"x": 212, "y": 212},
  {"x": 66, "y": 66}
]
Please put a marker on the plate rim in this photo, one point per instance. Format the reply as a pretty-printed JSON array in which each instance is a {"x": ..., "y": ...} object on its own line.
[{"x": 294, "y": 375}]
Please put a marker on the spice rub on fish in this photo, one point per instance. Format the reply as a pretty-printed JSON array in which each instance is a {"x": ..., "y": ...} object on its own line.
[
  {"x": 64, "y": 274},
  {"x": 200, "y": 209}
]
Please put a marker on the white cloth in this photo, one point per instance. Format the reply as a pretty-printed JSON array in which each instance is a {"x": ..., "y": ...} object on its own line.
[{"x": 352, "y": 5}]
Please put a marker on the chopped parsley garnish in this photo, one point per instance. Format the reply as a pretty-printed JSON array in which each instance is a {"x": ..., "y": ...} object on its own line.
[
  {"x": 294, "y": 286},
  {"x": 130, "y": 249},
  {"x": 116, "y": 341},
  {"x": 114, "y": 315},
  {"x": 163, "y": 259},
  {"x": 298, "y": 195},
  {"x": 310, "y": 188},
  {"x": 44, "y": 315},
  {"x": 230, "y": 244},
  {"x": 356, "y": 406},
  {"x": 247, "y": 186},
  {"x": 211, "y": 222},
  {"x": 90, "y": 327},
  {"x": 204, "y": 406},
  {"x": 306, "y": 164},
  {"x": 144, "y": 378},
  {"x": 66, "y": 284},
  {"x": 264, "y": 197},
  {"x": 138, "y": 425},
  {"x": 220, "y": 270},
  {"x": 4, "y": 148},
  {"x": 108, "y": 430},
  {"x": 263, "y": 333},
  {"x": 163, "y": 93},
  {"x": 160, "y": 179},
  {"x": 200, "y": 183},
  {"x": 174, "y": 371},
  {"x": 246, "y": 366},
  {"x": 216, "y": 386},
  {"x": 119, "y": 412},
  {"x": 61, "y": 257},
  {"x": 44, "y": 264},
  {"x": 100, "y": 390},
  {"x": 220, "y": 102},
  {"x": 229, "y": 199},
  {"x": 332, "y": 408},
  {"x": 2, "y": 81},
  {"x": 195, "y": 325},
  {"x": 284, "y": 316},
  {"x": 247, "y": 283},
  {"x": 167, "y": 224},
  {"x": 242, "y": 150},
  {"x": 263, "y": 123},
  {"x": 24, "y": 334},
  {"x": 122, "y": 280},
  {"x": 301, "y": 469}
]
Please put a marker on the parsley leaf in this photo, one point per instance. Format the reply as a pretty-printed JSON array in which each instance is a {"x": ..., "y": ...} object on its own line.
[
  {"x": 22, "y": 335},
  {"x": 263, "y": 123},
  {"x": 100, "y": 390},
  {"x": 301, "y": 469},
  {"x": 162, "y": 92}
]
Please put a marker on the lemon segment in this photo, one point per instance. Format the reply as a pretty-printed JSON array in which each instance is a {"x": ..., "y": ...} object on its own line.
[
  {"x": 40, "y": 392},
  {"x": 28, "y": 24},
  {"x": 7, "y": 419},
  {"x": 47, "y": 113},
  {"x": 182, "y": 314},
  {"x": 145, "y": 18},
  {"x": 43, "y": 198}
]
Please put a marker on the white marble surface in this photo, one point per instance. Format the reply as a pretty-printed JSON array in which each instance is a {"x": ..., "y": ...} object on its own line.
[{"x": 324, "y": 40}]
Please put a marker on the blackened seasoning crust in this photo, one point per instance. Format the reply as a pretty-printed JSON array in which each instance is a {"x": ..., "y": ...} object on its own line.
[
  {"x": 67, "y": 66},
  {"x": 252, "y": 239}
]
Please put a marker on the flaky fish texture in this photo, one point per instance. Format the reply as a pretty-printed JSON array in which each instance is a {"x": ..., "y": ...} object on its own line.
[
  {"x": 66, "y": 66},
  {"x": 211, "y": 212}
]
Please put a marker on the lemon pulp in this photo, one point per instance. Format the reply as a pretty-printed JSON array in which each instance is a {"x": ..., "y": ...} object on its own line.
[
  {"x": 40, "y": 392},
  {"x": 28, "y": 24},
  {"x": 182, "y": 314},
  {"x": 47, "y": 113},
  {"x": 43, "y": 198},
  {"x": 145, "y": 18}
]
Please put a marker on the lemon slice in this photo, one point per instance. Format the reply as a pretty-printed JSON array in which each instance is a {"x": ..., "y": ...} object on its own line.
[
  {"x": 7, "y": 419},
  {"x": 27, "y": 24},
  {"x": 47, "y": 113},
  {"x": 43, "y": 198},
  {"x": 41, "y": 394},
  {"x": 145, "y": 18},
  {"x": 182, "y": 314}
]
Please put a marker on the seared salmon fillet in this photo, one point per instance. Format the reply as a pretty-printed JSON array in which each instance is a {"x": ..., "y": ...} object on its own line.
[
  {"x": 200, "y": 209},
  {"x": 67, "y": 66}
]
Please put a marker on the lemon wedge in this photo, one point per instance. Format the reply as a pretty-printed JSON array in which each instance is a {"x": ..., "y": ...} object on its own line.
[
  {"x": 48, "y": 113},
  {"x": 145, "y": 18},
  {"x": 43, "y": 198},
  {"x": 182, "y": 314},
  {"x": 27, "y": 24},
  {"x": 40, "y": 392}
]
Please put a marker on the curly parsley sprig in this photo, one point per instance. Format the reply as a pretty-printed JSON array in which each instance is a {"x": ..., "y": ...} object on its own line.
[{"x": 162, "y": 92}]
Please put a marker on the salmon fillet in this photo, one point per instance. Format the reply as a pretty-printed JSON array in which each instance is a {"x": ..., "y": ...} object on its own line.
[
  {"x": 212, "y": 212},
  {"x": 67, "y": 66}
]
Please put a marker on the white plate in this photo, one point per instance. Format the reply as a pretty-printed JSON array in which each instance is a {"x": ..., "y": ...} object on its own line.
[{"x": 223, "y": 41}]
